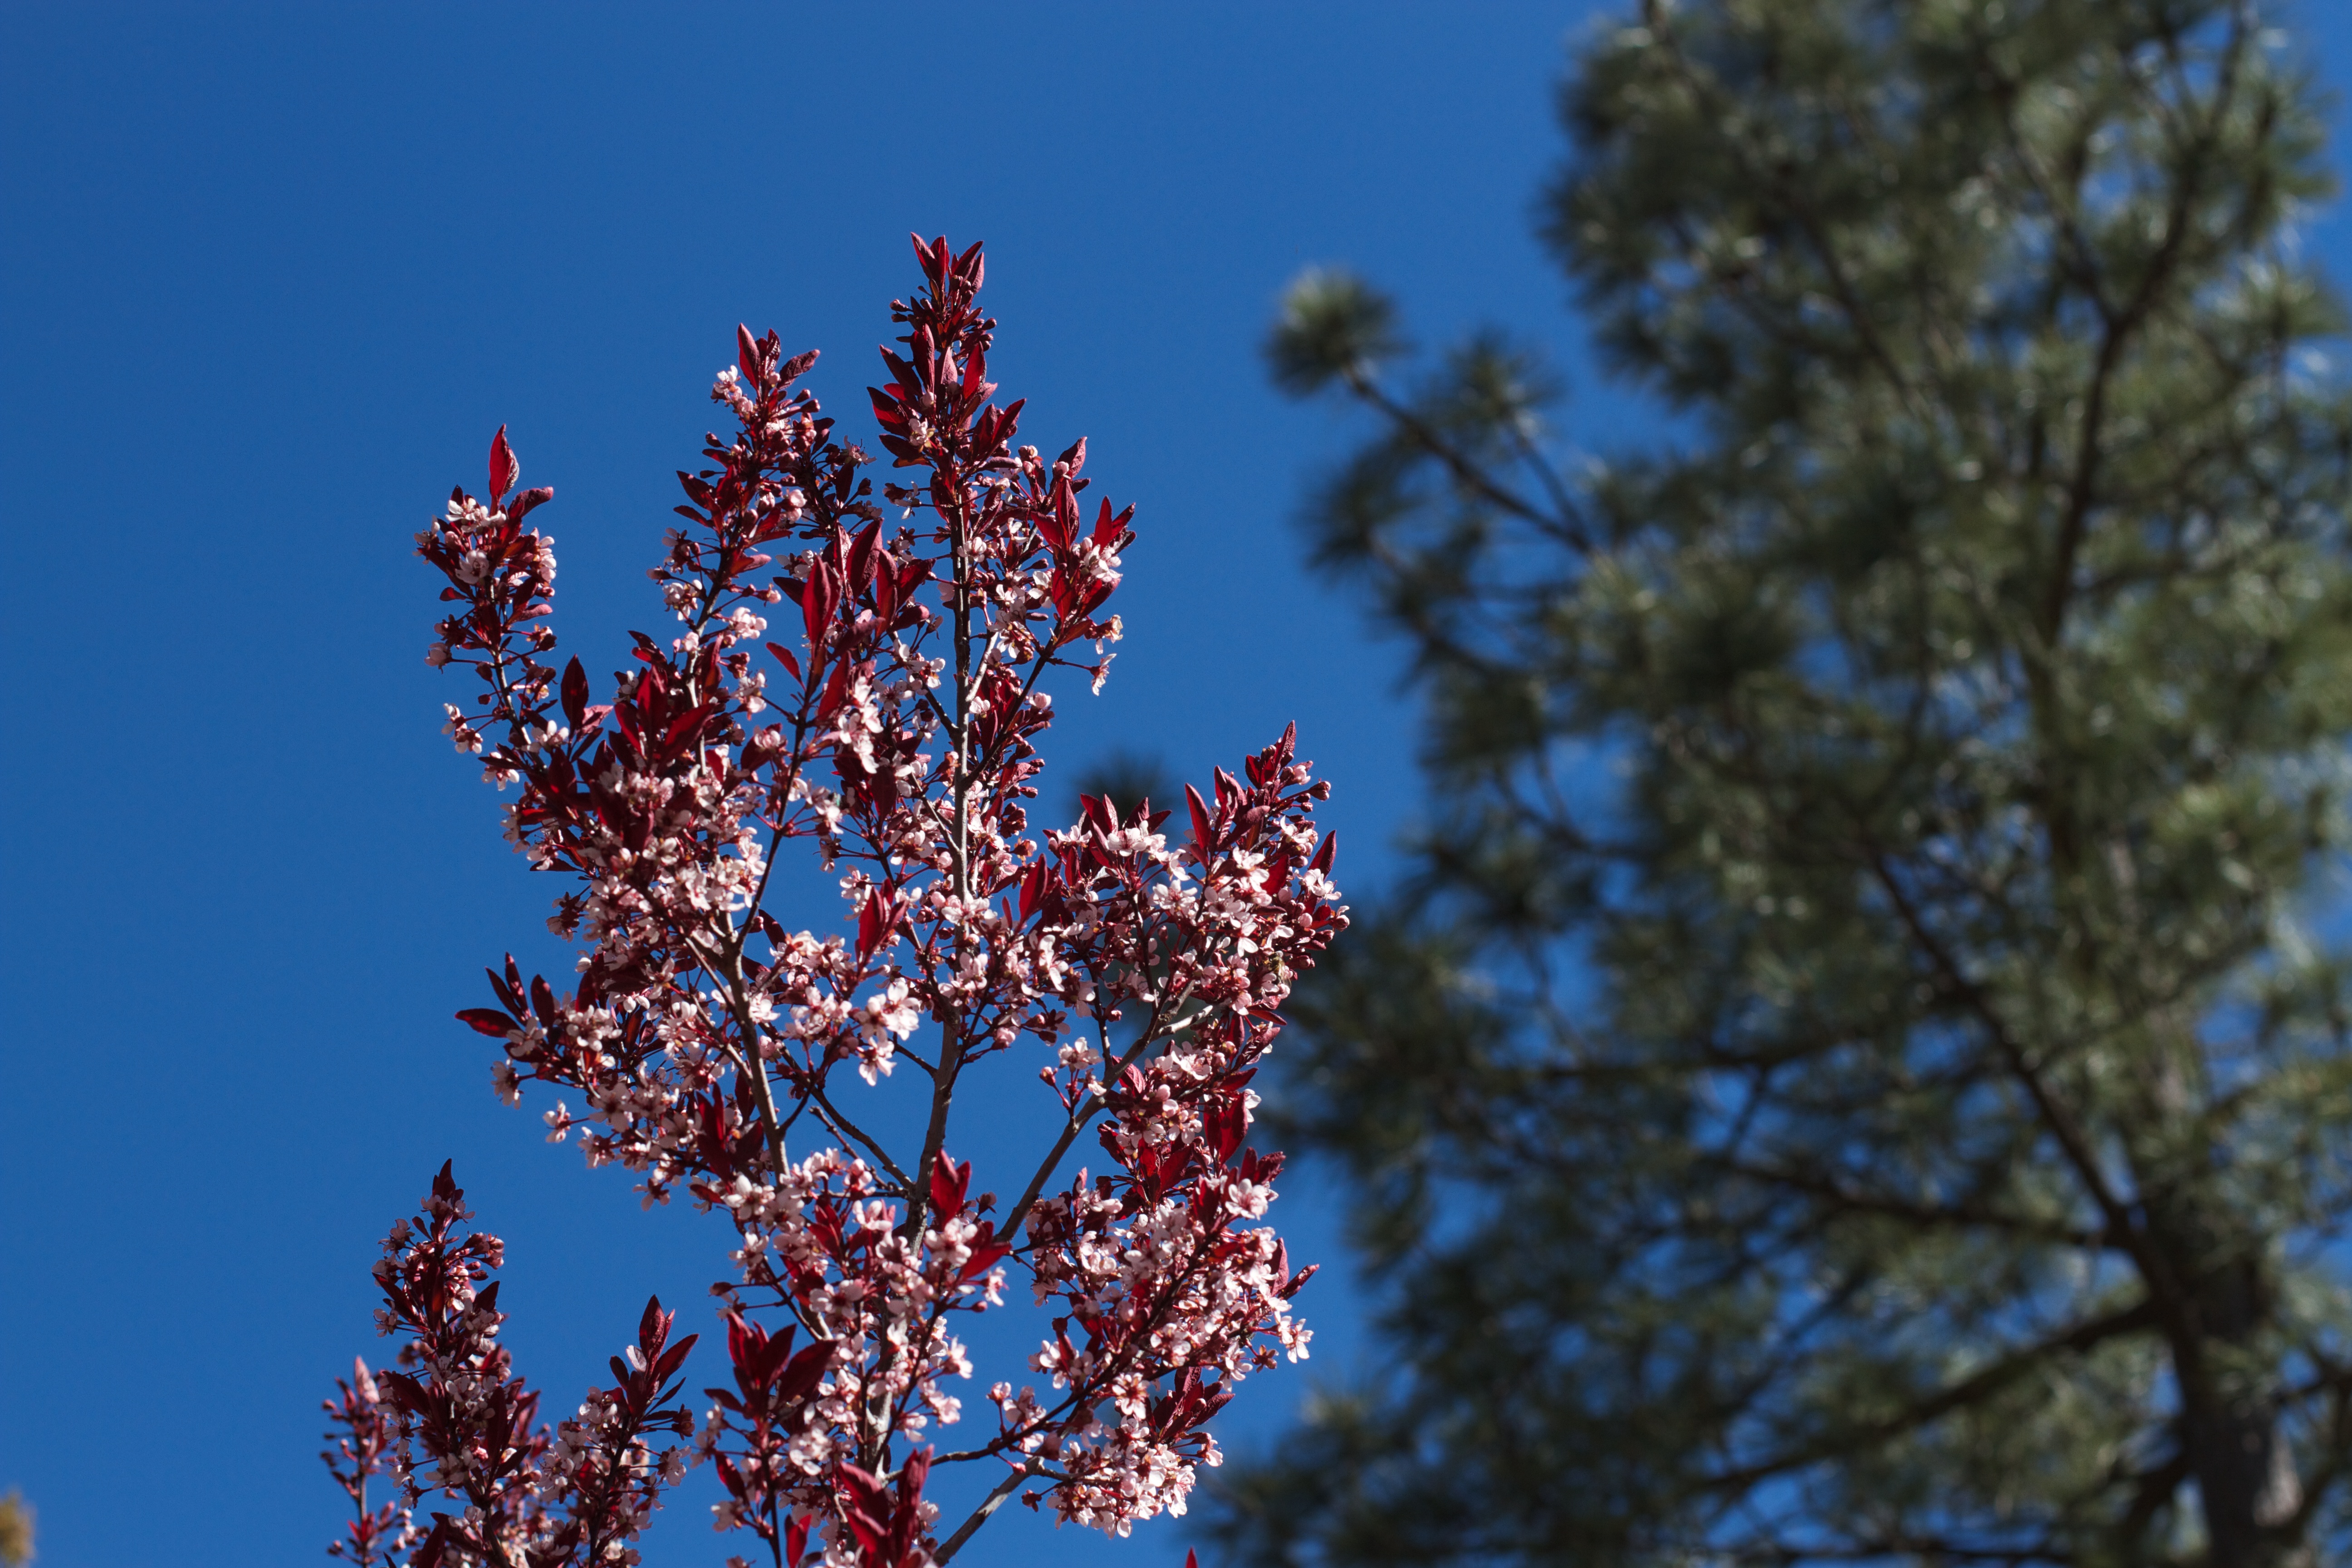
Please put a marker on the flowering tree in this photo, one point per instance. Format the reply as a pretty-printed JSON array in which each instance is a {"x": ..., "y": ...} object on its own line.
[{"x": 895, "y": 745}]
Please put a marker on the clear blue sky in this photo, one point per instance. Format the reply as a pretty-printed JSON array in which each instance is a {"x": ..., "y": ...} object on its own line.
[{"x": 269, "y": 277}]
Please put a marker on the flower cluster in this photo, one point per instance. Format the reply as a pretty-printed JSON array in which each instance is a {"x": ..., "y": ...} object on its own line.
[
  {"x": 365, "y": 1432},
  {"x": 714, "y": 1053},
  {"x": 453, "y": 1420}
]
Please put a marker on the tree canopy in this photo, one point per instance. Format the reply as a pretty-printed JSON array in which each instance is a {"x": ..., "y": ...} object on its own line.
[{"x": 1860, "y": 1072}]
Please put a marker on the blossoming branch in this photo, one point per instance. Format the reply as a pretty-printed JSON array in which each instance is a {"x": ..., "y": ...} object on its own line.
[{"x": 892, "y": 738}]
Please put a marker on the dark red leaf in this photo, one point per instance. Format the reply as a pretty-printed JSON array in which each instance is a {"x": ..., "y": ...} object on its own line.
[
  {"x": 576, "y": 694},
  {"x": 875, "y": 921},
  {"x": 806, "y": 1370},
  {"x": 949, "y": 1182},
  {"x": 504, "y": 466},
  {"x": 674, "y": 1358},
  {"x": 835, "y": 685},
  {"x": 861, "y": 556},
  {"x": 1324, "y": 852},
  {"x": 819, "y": 599},
  {"x": 1200, "y": 810}
]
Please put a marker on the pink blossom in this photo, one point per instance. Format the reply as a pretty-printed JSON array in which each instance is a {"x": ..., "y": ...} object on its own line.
[{"x": 889, "y": 741}]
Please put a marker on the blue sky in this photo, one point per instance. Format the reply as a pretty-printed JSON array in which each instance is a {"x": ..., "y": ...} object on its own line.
[{"x": 269, "y": 277}]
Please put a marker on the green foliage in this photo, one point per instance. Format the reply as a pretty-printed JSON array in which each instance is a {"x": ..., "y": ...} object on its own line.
[
  {"x": 1862, "y": 1072},
  {"x": 15, "y": 1530},
  {"x": 1332, "y": 326}
]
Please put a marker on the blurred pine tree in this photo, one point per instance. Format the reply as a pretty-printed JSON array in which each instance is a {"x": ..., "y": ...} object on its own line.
[{"x": 1862, "y": 1072}]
